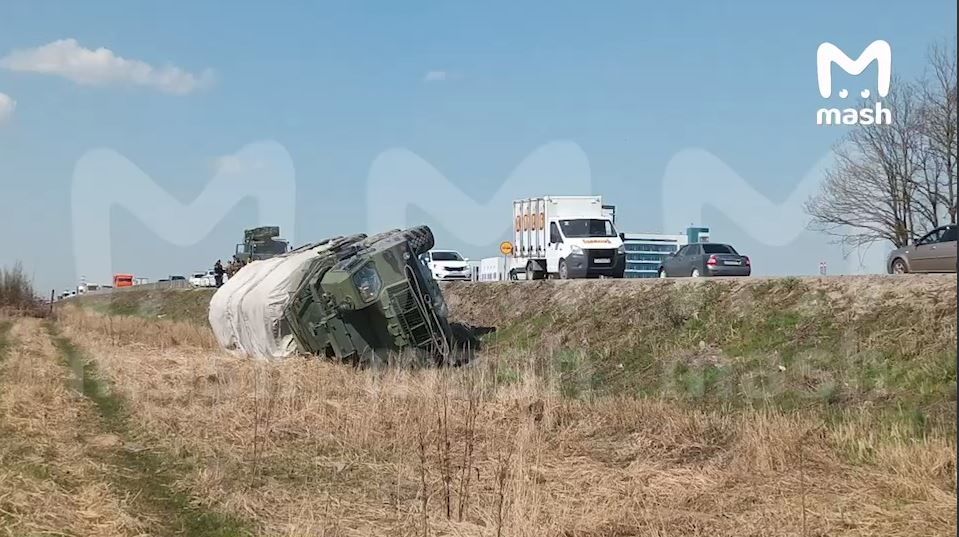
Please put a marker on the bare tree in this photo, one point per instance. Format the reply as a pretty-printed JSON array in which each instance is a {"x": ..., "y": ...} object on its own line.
[
  {"x": 939, "y": 105},
  {"x": 870, "y": 193},
  {"x": 894, "y": 182}
]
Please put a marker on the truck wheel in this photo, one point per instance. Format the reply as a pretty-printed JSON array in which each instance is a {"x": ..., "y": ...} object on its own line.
[
  {"x": 563, "y": 271},
  {"x": 420, "y": 239}
]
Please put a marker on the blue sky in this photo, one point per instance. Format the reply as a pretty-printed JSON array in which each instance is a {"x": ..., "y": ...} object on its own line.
[{"x": 631, "y": 83}]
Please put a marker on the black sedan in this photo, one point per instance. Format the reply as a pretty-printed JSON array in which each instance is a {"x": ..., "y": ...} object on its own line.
[{"x": 705, "y": 259}]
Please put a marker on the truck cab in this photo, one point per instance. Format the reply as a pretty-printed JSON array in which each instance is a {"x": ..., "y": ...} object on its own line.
[{"x": 584, "y": 248}]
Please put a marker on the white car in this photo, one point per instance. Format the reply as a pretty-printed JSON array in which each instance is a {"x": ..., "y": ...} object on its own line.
[
  {"x": 447, "y": 265},
  {"x": 203, "y": 279}
]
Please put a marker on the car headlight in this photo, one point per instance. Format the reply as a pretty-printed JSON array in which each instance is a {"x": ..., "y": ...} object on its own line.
[
  {"x": 621, "y": 249},
  {"x": 575, "y": 250},
  {"x": 367, "y": 282}
]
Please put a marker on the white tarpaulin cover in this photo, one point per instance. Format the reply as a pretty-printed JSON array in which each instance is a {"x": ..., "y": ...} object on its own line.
[{"x": 246, "y": 310}]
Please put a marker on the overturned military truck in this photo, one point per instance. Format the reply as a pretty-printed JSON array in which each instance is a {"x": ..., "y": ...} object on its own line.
[{"x": 360, "y": 299}]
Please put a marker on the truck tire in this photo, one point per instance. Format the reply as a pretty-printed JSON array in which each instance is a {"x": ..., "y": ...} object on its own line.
[
  {"x": 563, "y": 270},
  {"x": 420, "y": 239}
]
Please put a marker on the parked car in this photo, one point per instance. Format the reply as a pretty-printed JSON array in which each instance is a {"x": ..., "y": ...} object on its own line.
[
  {"x": 446, "y": 265},
  {"x": 705, "y": 259},
  {"x": 934, "y": 252},
  {"x": 203, "y": 279}
]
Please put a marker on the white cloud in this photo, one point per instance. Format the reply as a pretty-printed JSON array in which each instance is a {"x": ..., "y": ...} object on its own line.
[
  {"x": 435, "y": 76},
  {"x": 101, "y": 67},
  {"x": 7, "y": 106}
]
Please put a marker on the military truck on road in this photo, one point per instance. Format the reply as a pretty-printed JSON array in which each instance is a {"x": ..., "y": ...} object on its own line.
[{"x": 258, "y": 243}]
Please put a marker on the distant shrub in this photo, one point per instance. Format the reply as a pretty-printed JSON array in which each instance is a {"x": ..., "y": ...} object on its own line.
[{"x": 16, "y": 293}]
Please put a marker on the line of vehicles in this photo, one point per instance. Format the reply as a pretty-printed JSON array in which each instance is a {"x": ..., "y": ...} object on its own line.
[
  {"x": 568, "y": 237},
  {"x": 553, "y": 237},
  {"x": 562, "y": 237}
]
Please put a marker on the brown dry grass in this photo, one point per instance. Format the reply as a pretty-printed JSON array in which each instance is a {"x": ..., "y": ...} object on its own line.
[
  {"x": 17, "y": 296},
  {"x": 50, "y": 481},
  {"x": 306, "y": 447}
]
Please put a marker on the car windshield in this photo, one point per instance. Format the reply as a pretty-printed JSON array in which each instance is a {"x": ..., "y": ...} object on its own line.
[
  {"x": 718, "y": 249},
  {"x": 587, "y": 227},
  {"x": 446, "y": 256}
]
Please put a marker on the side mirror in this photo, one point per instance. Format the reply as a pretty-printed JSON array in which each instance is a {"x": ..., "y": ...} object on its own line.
[{"x": 622, "y": 236}]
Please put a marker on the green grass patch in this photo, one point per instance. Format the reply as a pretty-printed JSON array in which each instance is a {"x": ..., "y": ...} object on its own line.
[
  {"x": 188, "y": 305},
  {"x": 775, "y": 343},
  {"x": 148, "y": 476}
]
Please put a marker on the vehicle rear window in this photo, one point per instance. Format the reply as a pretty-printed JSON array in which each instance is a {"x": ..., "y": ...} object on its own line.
[{"x": 718, "y": 249}]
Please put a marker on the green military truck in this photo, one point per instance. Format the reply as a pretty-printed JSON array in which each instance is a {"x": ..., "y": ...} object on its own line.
[
  {"x": 360, "y": 299},
  {"x": 258, "y": 243}
]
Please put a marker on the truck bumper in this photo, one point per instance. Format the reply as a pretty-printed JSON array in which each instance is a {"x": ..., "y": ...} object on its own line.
[
  {"x": 453, "y": 276},
  {"x": 585, "y": 265}
]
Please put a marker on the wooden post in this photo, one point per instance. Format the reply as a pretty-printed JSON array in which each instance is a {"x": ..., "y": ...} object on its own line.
[{"x": 53, "y": 293}]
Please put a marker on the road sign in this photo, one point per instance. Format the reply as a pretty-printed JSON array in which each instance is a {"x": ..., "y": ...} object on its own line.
[{"x": 506, "y": 247}]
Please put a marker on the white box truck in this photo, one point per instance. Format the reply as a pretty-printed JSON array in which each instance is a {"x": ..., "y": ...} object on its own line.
[{"x": 565, "y": 237}]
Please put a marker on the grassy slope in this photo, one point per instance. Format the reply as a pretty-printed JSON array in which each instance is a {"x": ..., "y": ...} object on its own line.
[
  {"x": 303, "y": 446},
  {"x": 836, "y": 342}
]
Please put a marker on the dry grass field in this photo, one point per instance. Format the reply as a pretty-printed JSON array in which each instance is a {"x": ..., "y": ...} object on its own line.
[{"x": 138, "y": 425}]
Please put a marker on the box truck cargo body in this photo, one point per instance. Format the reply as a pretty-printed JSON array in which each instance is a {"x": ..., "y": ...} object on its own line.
[{"x": 565, "y": 237}]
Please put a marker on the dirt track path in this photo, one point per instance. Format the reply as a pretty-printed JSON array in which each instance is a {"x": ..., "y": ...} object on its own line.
[{"x": 70, "y": 463}]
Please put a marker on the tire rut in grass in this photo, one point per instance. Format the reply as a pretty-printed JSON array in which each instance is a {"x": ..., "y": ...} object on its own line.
[
  {"x": 147, "y": 476},
  {"x": 4, "y": 336}
]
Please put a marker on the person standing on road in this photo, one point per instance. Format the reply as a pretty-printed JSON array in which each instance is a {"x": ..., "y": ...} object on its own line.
[{"x": 218, "y": 273}]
